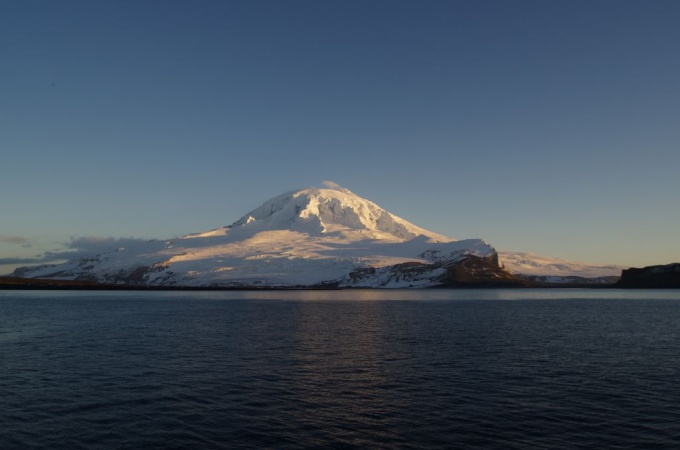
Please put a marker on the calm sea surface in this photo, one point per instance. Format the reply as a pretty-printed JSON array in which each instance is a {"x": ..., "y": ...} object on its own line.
[{"x": 525, "y": 369}]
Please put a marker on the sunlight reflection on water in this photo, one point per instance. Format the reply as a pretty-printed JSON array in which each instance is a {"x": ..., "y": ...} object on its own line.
[{"x": 355, "y": 368}]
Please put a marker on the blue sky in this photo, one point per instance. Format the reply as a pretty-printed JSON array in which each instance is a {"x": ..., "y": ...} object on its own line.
[{"x": 548, "y": 127}]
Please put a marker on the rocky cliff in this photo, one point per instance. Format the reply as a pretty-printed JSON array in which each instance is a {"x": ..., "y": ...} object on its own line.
[{"x": 663, "y": 276}]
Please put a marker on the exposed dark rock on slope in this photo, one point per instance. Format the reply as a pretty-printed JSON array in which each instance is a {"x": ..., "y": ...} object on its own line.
[
  {"x": 467, "y": 272},
  {"x": 476, "y": 271}
]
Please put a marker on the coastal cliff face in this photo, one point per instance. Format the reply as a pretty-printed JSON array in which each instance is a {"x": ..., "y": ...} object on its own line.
[
  {"x": 480, "y": 271},
  {"x": 463, "y": 271},
  {"x": 662, "y": 277}
]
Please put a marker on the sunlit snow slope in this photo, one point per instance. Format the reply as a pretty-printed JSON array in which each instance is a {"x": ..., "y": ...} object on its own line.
[
  {"x": 531, "y": 264},
  {"x": 307, "y": 237}
]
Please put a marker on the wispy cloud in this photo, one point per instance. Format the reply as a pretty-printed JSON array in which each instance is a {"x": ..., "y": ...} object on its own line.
[
  {"x": 10, "y": 239},
  {"x": 333, "y": 185},
  {"x": 91, "y": 245},
  {"x": 13, "y": 261}
]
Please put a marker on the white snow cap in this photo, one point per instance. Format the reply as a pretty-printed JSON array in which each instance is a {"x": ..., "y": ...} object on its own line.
[{"x": 331, "y": 208}]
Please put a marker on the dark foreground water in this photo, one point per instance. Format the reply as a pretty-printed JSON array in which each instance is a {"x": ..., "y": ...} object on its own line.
[{"x": 504, "y": 369}]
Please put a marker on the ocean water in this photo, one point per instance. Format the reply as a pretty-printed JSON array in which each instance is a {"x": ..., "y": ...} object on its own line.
[{"x": 496, "y": 369}]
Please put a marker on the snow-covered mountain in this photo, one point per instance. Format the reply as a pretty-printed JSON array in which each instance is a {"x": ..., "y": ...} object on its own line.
[
  {"x": 314, "y": 237},
  {"x": 311, "y": 237}
]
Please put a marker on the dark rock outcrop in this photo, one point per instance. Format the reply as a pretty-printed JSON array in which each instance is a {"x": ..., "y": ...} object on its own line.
[
  {"x": 651, "y": 277},
  {"x": 476, "y": 271},
  {"x": 34, "y": 283},
  {"x": 468, "y": 271}
]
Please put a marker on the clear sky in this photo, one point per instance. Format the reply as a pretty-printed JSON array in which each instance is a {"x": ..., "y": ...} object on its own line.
[{"x": 550, "y": 127}]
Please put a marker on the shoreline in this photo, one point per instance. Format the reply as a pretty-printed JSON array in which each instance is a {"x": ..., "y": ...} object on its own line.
[{"x": 10, "y": 283}]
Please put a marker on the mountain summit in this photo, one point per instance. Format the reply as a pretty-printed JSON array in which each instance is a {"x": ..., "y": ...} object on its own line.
[
  {"x": 314, "y": 237},
  {"x": 332, "y": 210}
]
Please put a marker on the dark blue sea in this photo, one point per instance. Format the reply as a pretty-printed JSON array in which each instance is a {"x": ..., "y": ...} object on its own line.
[{"x": 491, "y": 369}]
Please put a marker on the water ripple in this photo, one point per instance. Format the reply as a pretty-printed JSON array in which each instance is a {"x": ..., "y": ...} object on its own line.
[{"x": 107, "y": 372}]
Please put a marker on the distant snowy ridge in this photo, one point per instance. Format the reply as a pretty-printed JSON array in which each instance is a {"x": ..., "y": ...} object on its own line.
[{"x": 542, "y": 266}]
